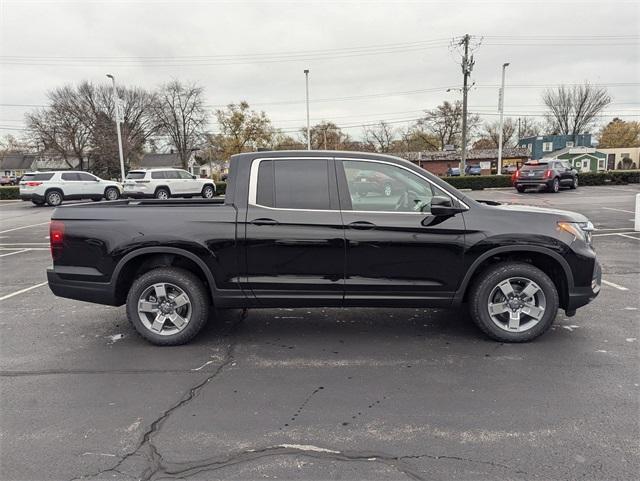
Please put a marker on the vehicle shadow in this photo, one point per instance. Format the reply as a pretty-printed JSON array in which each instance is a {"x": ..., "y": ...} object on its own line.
[{"x": 329, "y": 324}]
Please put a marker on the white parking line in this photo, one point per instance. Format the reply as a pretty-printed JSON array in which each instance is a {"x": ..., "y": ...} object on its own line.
[
  {"x": 629, "y": 237},
  {"x": 600, "y": 235},
  {"x": 617, "y": 286},
  {"x": 23, "y": 227},
  {"x": 22, "y": 291},
  {"x": 15, "y": 252},
  {"x": 25, "y": 244},
  {"x": 20, "y": 248},
  {"x": 608, "y": 208}
]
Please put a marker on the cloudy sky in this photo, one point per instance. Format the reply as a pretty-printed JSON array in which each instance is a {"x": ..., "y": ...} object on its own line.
[{"x": 369, "y": 61}]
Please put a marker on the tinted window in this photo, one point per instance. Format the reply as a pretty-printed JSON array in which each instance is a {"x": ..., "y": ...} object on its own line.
[
  {"x": 294, "y": 184},
  {"x": 375, "y": 186},
  {"x": 70, "y": 176},
  {"x": 526, "y": 167},
  {"x": 171, "y": 174},
  {"x": 185, "y": 175},
  {"x": 265, "y": 193},
  {"x": 85, "y": 176},
  {"x": 136, "y": 175},
  {"x": 160, "y": 174},
  {"x": 37, "y": 176}
]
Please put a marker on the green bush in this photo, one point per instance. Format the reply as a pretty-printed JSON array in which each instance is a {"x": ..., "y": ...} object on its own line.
[
  {"x": 479, "y": 182},
  {"x": 616, "y": 177},
  {"x": 9, "y": 192},
  {"x": 221, "y": 188}
]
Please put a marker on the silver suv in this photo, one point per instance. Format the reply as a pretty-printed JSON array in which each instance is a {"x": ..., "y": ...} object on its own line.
[{"x": 166, "y": 183}]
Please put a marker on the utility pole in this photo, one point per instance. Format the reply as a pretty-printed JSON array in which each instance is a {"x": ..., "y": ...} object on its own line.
[
  {"x": 306, "y": 77},
  {"x": 467, "y": 66},
  {"x": 501, "y": 109},
  {"x": 118, "y": 112}
]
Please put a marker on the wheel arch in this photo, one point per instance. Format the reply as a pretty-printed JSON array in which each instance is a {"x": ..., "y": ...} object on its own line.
[
  {"x": 550, "y": 262},
  {"x": 158, "y": 187},
  {"x": 143, "y": 260}
]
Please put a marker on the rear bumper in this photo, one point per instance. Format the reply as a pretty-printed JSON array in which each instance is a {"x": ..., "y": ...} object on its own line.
[
  {"x": 581, "y": 296},
  {"x": 532, "y": 183},
  {"x": 96, "y": 292},
  {"x": 31, "y": 196}
]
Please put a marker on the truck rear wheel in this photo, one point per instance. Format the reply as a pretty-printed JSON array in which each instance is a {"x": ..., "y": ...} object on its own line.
[
  {"x": 168, "y": 306},
  {"x": 513, "y": 302}
]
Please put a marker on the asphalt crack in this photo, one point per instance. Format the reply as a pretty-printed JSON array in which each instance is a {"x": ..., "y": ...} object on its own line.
[{"x": 146, "y": 448}]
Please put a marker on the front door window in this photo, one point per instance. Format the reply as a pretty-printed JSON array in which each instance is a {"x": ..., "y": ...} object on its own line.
[{"x": 381, "y": 187}]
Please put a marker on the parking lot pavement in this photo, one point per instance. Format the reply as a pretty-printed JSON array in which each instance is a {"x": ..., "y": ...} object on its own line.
[{"x": 321, "y": 393}]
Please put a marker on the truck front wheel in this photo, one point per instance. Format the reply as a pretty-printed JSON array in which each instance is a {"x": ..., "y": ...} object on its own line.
[
  {"x": 513, "y": 302},
  {"x": 168, "y": 306}
]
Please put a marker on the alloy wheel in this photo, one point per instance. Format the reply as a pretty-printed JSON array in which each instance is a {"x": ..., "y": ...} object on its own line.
[
  {"x": 516, "y": 304},
  {"x": 54, "y": 198},
  {"x": 208, "y": 192},
  {"x": 112, "y": 194},
  {"x": 164, "y": 309},
  {"x": 162, "y": 195}
]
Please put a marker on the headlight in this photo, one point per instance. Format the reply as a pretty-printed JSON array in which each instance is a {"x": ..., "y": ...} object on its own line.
[{"x": 579, "y": 230}]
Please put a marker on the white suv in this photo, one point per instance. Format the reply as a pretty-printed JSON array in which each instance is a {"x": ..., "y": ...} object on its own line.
[
  {"x": 166, "y": 183},
  {"x": 54, "y": 187}
]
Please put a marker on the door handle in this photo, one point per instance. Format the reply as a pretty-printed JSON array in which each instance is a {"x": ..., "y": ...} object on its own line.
[
  {"x": 263, "y": 221},
  {"x": 362, "y": 225}
]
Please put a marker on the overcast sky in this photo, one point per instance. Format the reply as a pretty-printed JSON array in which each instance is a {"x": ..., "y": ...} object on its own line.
[{"x": 369, "y": 61}]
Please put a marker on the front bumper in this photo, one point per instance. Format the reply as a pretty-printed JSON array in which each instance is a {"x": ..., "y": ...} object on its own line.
[{"x": 581, "y": 296}]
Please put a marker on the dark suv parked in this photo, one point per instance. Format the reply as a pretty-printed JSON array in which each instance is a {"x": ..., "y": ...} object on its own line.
[{"x": 551, "y": 174}]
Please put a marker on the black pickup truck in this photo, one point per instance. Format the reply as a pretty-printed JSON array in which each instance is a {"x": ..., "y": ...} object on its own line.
[{"x": 293, "y": 231}]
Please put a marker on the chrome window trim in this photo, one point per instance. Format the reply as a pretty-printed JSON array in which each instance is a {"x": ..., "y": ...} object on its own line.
[{"x": 253, "y": 186}]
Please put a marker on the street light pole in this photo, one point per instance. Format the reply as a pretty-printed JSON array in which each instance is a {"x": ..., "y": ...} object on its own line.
[
  {"x": 501, "y": 109},
  {"x": 306, "y": 78},
  {"x": 118, "y": 115}
]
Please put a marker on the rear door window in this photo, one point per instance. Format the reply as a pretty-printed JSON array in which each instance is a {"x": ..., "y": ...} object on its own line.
[
  {"x": 295, "y": 184},
  {"x": 70, "y": 176}
]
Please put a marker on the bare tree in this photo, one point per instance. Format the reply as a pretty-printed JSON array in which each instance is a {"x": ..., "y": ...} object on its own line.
[
  {"x": 491, "y": 132},
  {"x": 528, "y": 127},
  {"x": 572, "y": 110},
  {"x": 445, "y": 123},
  {"x": 380, "y": 136},
  {"x": 79, "y": 123},
  {"x": 326, "y": 135},
  {"x": 180, "y": 115}
]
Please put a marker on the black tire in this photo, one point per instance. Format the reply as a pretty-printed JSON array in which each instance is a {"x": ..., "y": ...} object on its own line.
[
  {"x": 162, "y": 193},
  {"x": 574, "y": 183},
  {"x": 187, "y": 282},
  {"x": 54, "y": 197},
  {"x": 38, "y": 203},
  {"x": 487, "y": 282},
  {"x": 554, "y": 186},
  {"x": 520, "y": 189},
  {"x": 111, "y": 193},
  {"x": 208, "y": 192}
]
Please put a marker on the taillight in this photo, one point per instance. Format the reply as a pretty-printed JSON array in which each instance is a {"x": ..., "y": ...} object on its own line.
[
  {"x": 548, "y": 174},
  {"x": 56, "y": 238},
  {"x": 33, "y": 184},
  {"x": 517, "y": 174}
]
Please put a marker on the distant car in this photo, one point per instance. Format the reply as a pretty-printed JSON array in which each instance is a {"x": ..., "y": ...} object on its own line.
[
  {"x": 167, "y": 183},
  {"x": 7, "y": 180},
  {"x": 367, "y": 182},
  {"x": 453, "y": 171},
  {"x": 510, "y": 169},
  {"x": 549, "y": 174},
  {"x": 54, "y": 187},
  {"x": 473, "y": 170}
]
